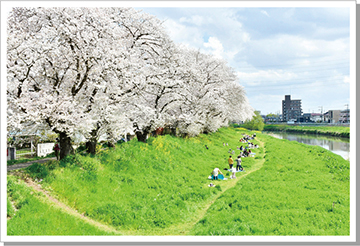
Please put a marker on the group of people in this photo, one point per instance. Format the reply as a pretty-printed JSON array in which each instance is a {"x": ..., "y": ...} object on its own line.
[
  {"x": 246, "y": 138},
  {"x": 244, "y": 152}
]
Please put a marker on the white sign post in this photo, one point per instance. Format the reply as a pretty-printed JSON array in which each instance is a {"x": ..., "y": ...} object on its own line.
[{"x": 45, "y": 148}]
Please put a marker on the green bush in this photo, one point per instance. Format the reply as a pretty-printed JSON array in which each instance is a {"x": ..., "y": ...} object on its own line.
[
  {"x": 38, "y": 170},
  {"x": 52, "y": 164},
  {"x": 256, "y": 123},
  {"x": 70, "y": 160}
]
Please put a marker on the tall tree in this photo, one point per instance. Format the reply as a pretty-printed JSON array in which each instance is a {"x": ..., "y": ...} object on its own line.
[{"x": 57, "y": 58}]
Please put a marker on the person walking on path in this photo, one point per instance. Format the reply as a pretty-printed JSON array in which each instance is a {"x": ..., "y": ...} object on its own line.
[
  {"x": 231, "y": 162},
  {"x": 57, "y": 149}
]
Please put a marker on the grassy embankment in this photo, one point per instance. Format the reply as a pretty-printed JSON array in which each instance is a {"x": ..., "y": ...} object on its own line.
[
  {"x": 336, "y": 131},
  {"x": 143, "y": 187},
  {"x": 301, "y": 190},
  {"x": 160, "y": 188}
]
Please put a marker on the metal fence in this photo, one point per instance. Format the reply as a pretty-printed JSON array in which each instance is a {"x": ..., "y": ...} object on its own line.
[{"x": 25, "y": 153}]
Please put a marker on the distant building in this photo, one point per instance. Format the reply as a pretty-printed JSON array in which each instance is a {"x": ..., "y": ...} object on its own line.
[
  {"x": 306, "y": 118},
  {"x": 291, "y": 109},
  {"x": 332, "y": 116},
  {"x": 272, "y": 118},
  {"x": 316, "y": 117},
  {"x": 345, "y": 116}
]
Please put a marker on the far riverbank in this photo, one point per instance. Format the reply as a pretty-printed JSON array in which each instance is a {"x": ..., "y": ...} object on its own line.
[{"x": 335, "y": 131}]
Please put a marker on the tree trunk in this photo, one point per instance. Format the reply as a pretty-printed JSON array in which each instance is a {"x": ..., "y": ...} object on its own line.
[
  {"x": 91, "y": 146},
  {"x": 111, "y": 144},
  {"x": 92, "y": 143},
  {"x": 65, "y": 145},
  {"x": 141, "y": 136}
]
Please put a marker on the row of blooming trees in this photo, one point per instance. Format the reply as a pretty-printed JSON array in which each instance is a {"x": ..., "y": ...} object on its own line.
[{"x": 108, "y": 71}]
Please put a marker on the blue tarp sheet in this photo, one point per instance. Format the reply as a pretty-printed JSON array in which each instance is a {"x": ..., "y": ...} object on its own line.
[{"x": 220, "y": 176}]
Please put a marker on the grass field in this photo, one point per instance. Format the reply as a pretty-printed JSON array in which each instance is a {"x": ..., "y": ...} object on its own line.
[
  {"x": 337, "y": 131},
  {"x": 161, "y": 188},
  {"x": 301, "y": 190}
]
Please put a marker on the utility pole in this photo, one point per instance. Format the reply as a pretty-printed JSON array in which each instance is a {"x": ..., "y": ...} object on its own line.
[
  {"x": 321, "y": 110},
  {"x": 346, "y": 113}
]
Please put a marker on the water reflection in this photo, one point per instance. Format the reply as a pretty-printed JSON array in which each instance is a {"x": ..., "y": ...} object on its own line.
[{"x": 339, "y": 146}]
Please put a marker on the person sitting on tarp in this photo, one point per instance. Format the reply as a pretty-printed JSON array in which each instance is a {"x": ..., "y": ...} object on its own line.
[
  {"x": 216, "y": 172},
  {"x": 246, "y": 153}
]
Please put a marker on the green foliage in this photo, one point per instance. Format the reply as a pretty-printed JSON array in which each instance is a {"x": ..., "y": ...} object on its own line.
[
  {"x": 256, "y": 123},
  {"x": 52, "y": 164},
  {"x": 38, "y": 170},
  {"x": 48, "y": 137},
  {"x": 70, "y": 160}
]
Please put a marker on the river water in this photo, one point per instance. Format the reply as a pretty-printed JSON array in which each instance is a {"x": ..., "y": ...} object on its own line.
[{"x": 339, "y": 146}]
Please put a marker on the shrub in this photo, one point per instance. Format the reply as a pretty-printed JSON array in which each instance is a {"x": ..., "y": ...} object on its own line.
[
  {"x": 256, "y": 123},
  {"x": 89, "y": 164},
  {"x": 52, "y": 164},
  {"x": 70, "y": 160},
  {"x": 38, "y": 170}
]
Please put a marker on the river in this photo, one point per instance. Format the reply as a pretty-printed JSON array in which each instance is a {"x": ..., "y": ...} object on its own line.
[{"x": 339, "y": 146}]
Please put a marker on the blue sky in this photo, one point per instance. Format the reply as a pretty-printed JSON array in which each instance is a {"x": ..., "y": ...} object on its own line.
[{"x": 275, "y": 51}]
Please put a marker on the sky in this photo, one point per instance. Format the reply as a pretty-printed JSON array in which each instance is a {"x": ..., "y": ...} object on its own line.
[{"x": 275, "y": 51}]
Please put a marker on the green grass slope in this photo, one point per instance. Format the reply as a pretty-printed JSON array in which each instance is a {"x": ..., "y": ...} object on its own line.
[
  {"x": 35, "y": 217},
  {"x": 161, "y": 188},
  {"x": 142, "y": 187},
  {"x": 301, "y": 190}
]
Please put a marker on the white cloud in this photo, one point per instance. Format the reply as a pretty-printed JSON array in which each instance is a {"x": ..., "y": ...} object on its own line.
[
  {"x": 196, "y": 20},
  {"x": 180, "y": 33},
  {"x": 265, "y": 13},
  {"x": 307, "y": 61},
  {"x": 216, "y": 47},
  {"x": 265, "y": 77}
]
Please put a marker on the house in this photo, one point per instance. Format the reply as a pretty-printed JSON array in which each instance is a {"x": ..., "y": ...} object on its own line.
[
  {"x": 344, "y": 116},
  {"x": 305, "y": 118},
  {"x": 316, "y": 117},
  {"x": 332, "y": 116}
]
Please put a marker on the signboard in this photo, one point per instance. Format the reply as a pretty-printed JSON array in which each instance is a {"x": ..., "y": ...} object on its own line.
[{"x": 45, "y": 148}]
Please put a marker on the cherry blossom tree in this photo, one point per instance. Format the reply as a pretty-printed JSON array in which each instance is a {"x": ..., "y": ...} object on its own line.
[
  {"x": 106, "y": 71},
  {"x": 212, "y": 94},
  {"x": 58, "y": 60}
]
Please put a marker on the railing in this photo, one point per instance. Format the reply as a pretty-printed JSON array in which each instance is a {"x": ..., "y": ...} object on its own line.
[{"x": 25, "y": 153}]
